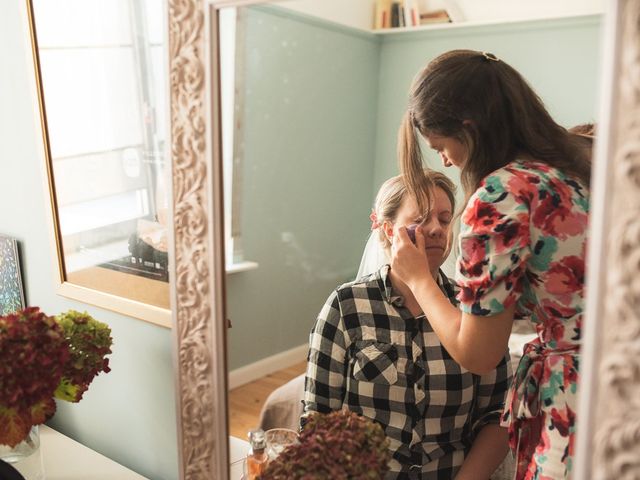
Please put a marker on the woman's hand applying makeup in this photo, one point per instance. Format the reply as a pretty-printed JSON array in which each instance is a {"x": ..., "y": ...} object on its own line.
[{"x": 409, "y": 261}]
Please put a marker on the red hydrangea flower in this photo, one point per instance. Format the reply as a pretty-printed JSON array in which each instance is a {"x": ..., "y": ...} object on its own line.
[
  {"x": 33, "y": 352},
  {"x": 340, "y": 445}
]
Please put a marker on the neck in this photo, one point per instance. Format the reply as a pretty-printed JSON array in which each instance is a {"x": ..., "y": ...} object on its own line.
[{"x": 403, "y": 289}]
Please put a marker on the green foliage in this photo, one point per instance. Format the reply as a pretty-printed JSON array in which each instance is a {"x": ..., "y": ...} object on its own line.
[{"x": 89, "y": 342}]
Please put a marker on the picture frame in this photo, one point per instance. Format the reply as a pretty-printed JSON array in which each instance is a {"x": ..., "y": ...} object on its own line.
[{"x": 12, "y": 296}]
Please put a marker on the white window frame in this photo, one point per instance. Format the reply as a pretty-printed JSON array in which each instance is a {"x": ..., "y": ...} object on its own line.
[{"x": 231, "y": 113}]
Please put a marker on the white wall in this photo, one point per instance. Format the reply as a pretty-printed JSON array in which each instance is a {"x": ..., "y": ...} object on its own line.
[{"x": 353, "y": 13}]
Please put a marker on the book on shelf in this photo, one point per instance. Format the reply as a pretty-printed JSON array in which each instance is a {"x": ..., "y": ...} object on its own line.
[
  {"x": 411, "y": 13},
  {"x": 436, "y": 16},
  {"x": 396, "y": 14},
  {"x": 382, "y": 14}
]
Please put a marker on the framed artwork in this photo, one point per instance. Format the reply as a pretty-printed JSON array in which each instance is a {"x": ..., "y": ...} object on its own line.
[{"x": 11, "y": 291}]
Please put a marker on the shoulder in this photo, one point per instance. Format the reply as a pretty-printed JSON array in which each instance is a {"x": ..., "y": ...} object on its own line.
[
  {"x": 516, "y": 179},
  {"x": 363, "y": 287},
  {"x": 507, "y": 191}
]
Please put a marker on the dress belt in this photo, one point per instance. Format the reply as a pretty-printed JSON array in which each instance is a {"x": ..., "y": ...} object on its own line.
[{"x": 523, "y": 399}]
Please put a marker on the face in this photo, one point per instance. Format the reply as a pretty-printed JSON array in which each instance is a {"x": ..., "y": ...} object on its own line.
[
  {"x": 435, "y": 226},
  {"x": 451, "y": 150}
]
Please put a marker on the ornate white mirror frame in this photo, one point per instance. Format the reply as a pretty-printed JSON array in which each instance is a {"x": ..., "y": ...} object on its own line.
[{"x": 608, "y": 445}]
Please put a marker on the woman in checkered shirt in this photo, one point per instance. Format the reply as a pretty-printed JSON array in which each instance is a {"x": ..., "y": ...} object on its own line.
[{"x": 373, "y": 352}]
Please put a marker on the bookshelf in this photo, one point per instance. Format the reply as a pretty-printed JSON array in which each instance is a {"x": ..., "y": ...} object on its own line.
[
  {"x": 360, "y": 14},
  {"x": 479, "y": 23}
]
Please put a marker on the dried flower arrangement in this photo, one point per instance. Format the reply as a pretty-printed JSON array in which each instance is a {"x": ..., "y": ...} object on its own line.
[
  {"x": 42, "y": 358},
  {"x": 340, "y": 445}
]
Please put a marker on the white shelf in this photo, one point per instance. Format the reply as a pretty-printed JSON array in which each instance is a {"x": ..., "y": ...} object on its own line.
[
  {"x": 472, "y": 24},
  {"x": 241, "y": 267}
]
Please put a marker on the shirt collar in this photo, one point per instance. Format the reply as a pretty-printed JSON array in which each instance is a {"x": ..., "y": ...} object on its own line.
[{"x": 384, "y": 283}]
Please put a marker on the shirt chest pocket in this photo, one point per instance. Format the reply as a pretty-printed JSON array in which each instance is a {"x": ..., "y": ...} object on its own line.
[{"x": 375, "y": 362}]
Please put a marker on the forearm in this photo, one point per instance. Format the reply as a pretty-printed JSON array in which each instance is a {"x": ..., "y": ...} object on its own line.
[
  {"x": 476, "y": 343},
  {"x": 487, "y": 452}
]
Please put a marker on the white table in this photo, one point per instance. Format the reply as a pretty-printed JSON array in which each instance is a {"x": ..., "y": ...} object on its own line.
[
  {"x": 237, "y": 452},
  {"x": 65, "y": 459}
]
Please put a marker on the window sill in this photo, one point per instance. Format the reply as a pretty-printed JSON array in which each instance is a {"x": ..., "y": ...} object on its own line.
[{"x": 241, "y": 267}]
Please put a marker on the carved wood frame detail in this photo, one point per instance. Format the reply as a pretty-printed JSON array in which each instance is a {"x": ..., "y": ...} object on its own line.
[
  {"x": 198, "y": 283},
  {"x": 608, "y": 443}
]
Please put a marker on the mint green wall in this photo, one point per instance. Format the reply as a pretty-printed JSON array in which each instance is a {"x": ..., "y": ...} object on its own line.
[
  {"x": 127, "y": 414},
  {"x": 309, "y": 151},
  {"x": 559, "y": 58}
]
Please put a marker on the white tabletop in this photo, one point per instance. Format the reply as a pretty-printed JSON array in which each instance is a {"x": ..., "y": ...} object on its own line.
[
  {"x": 65, "y": 459},
  {"x": 238, "y": 449}
]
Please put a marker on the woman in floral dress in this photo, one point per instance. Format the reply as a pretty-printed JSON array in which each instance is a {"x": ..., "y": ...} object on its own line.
[{"x": 522, "y": 244}]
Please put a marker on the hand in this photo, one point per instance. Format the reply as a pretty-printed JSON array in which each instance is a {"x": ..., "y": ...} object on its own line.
[{"x": 408, "y": 261}]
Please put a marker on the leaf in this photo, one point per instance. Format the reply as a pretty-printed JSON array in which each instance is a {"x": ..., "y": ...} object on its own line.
[
  {"x": 14, "y": 428},
  {"x": 42, "y": 411},
  {"x": 68, "y": 391}
]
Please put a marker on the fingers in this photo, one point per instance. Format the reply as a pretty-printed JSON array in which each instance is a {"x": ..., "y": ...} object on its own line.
[
  {"x": 401, "y": 233},
  {"x": 420, "y": 240}
]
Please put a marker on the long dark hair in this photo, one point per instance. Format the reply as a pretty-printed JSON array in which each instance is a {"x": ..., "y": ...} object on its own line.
[{"x": 488, "y": 106}]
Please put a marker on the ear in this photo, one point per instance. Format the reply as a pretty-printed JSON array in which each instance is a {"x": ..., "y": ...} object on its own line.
[
  {"x": 387, "y": 228},
  {"x": 468, "y": 123}
]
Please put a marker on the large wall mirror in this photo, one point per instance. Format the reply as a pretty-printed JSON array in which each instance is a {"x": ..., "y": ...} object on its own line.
[
  {"x": 103, "y": 86},
  {"x": 310, "y": 108},
  {"x": 315, "y": 100}
]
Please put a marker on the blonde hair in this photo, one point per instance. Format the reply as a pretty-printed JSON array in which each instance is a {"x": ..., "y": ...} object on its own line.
[{"x": 393, "y": 192}]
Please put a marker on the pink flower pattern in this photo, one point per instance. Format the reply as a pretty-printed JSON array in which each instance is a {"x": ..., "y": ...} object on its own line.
[{"x": 523, "y": 241}]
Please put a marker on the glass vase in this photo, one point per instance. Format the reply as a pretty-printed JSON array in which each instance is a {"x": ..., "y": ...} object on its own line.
[{"x": 26, "y": 457}]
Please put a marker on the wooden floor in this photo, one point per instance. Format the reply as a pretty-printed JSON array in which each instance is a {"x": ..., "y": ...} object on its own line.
[{"x": 246, "y": 401}]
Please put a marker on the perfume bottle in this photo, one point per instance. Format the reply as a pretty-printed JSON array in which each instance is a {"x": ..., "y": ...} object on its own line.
[{"x": 257, "y": 457}]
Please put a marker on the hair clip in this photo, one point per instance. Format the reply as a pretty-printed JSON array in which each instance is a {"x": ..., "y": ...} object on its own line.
[
  {"x": 374, "y": 220},
  {"x": 490, "y": 56}
]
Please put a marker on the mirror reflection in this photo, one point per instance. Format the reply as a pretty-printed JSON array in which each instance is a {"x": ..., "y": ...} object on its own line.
[
  {"x": 311, "y": 110},
  {"x": 102, "y": 70}
]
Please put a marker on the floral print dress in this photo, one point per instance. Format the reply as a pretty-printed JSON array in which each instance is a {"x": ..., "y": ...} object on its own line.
[{"x": 523, "y": 241}]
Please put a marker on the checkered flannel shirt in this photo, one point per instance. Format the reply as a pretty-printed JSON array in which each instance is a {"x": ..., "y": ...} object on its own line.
[{"x": 370, "y": 355}]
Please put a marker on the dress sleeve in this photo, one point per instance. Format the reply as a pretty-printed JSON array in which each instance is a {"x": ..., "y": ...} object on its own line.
[
  {"x": 324, "y": 384},
  {"x": 494, "y": 245},
  {"x": 490, "y": 395}
]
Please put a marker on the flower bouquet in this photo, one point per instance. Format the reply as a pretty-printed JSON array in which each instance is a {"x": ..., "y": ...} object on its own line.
[
  {"x": 42, "y": 358},
  {"x": 340, "y": 445}
]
